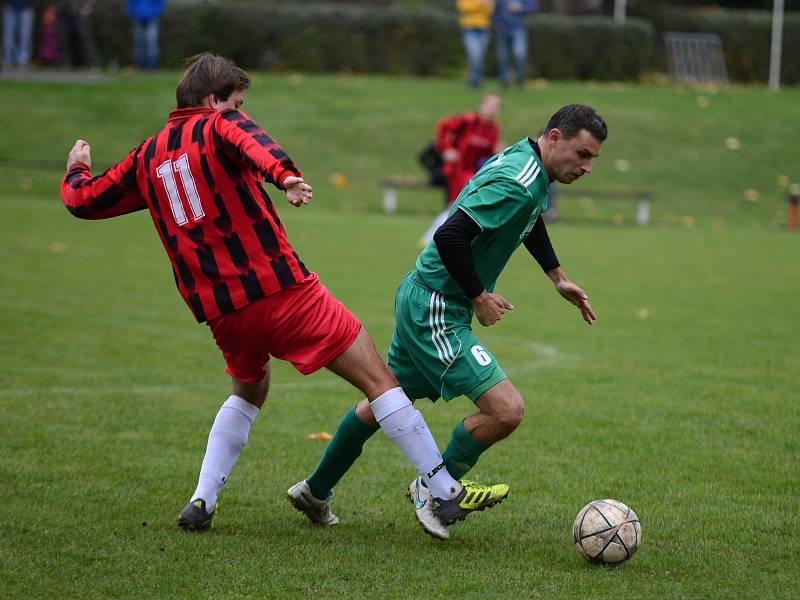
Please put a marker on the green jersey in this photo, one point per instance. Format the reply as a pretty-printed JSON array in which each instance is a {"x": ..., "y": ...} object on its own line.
[{"x": 504, "y": 198}]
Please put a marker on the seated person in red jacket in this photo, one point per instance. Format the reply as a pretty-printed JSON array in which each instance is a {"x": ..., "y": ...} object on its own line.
[{"x": 465, "y": 142}]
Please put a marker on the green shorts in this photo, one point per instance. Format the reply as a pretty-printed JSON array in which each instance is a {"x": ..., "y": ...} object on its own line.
[{"x": 433, "y": 352}]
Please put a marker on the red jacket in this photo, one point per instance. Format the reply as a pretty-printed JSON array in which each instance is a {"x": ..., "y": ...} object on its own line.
[{"x": 474, "y": 138}]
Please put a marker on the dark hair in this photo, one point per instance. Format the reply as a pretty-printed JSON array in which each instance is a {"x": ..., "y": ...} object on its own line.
[
  {"x": 570, "y": 119},
  {"x": 206, "y": 74}
]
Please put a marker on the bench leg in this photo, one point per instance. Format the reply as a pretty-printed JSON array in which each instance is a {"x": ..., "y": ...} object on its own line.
[
  {"x": 643, "y": 211},
  {"x": 389, "y": 199}
]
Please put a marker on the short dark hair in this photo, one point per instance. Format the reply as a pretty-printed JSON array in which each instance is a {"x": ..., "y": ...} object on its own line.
[
  {"x": 570, "y": 119},
  {"x": 206, "y": 74}
]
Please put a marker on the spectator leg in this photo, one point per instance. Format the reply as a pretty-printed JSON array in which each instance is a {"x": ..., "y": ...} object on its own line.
[
  {"x": 475, "y": 43},
  {"x": 519, "y": 48},
  {"x": 86, "y": 43},
  {"x": 151, "y": 34},
  {"x": 8, "y": 34},
  {"x": 25, "y": 29},
  {"x": 502, "y": 39}
]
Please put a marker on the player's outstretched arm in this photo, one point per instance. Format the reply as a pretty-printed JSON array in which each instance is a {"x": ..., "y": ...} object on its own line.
[
  {"x": 572, "y": 293},
  {"x": 246, "y": 141},
  {"x": 111, "y": 194},
  {"x": 298, "y": 192}
]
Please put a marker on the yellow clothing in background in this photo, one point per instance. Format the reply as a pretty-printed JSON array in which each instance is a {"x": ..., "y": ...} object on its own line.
[{"x": 475, "y": 14}]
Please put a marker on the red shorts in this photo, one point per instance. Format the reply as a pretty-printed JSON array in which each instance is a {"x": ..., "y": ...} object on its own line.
[{"x": 304, "y": 324}]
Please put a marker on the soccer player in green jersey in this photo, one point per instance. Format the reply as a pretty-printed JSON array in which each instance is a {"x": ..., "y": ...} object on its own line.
[{"x": 434, "y": 352}]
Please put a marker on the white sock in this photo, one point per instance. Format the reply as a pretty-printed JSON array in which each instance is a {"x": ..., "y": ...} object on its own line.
[
  {"x": 405, "y": 426},
  {"x": 225, "y": 442}
]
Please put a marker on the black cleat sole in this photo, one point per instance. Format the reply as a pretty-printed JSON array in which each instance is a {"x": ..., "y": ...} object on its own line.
[
  {"x": 481, "y": 509},
  {"x": 194, "y": 518}
]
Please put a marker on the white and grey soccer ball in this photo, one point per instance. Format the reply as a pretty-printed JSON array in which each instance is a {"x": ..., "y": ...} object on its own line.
[{"x": 607, "y": 532}]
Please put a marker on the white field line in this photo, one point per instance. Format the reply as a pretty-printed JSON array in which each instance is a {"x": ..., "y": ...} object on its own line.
[
  {"x": 149, "y": 390},
  {"x": 534, "y": 357}
]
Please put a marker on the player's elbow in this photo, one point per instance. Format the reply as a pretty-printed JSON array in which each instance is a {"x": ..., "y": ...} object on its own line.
[
  {"x": 79, "y": 212},
  {"x": 83, "y": 211},
  {"x": 442, "y": 236}
]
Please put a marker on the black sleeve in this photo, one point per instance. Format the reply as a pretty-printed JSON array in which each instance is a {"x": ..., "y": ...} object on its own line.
[
  {"x": 538, "y": 244},
  {"x": 454, "y": 242}
]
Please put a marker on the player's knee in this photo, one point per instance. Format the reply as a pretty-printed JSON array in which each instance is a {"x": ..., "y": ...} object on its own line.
[
  {"x": 364, "y": 413},
  {"x": 254, "y": 393},
  {"x": 383, "y": 377},
  {"x": 379, "y": 380},
  {"x": 511, "y": 416}
]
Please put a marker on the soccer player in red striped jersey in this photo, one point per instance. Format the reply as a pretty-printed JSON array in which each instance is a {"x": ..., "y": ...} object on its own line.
[{"x": 201, "y": 178}]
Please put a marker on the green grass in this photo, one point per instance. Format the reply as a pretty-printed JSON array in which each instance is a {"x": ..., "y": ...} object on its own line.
[{"x": 681, "y": 400}]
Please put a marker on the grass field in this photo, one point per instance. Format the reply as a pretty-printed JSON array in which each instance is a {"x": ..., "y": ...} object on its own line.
[{"x": 680, "y": 401}]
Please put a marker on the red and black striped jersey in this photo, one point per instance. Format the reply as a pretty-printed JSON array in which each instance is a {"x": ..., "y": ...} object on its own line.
[{"x": 201, "y": 178}]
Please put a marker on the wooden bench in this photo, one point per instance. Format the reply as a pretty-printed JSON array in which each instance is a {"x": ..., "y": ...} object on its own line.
[
  {"x": 392, "y": 184},
  {"x": 642, "y": 199},
  {"x": 395, "y": 182}
]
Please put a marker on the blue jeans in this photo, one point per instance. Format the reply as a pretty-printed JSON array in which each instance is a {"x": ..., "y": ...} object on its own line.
[
  {"x": 145, "y": 43},
  {"x": 476, "y": 41},
  {"x": 17, "y": 35},
  {"x": 512, "y": 42}
]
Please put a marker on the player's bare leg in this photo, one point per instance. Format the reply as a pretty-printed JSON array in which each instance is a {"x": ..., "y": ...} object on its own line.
[
  {"x": 394, "y": 413},
  {"x": 361, "y": 365},
  {"x": 226, "y": 440},
  {"x": 500, "y": 411},
  {"x": 254, "y": 393}
]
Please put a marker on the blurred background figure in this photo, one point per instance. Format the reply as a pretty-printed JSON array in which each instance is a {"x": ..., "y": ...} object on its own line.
[
  {"x": 475, "y": 18},
  {"x": 551, "y": 214},
  {"x": 144, "y": 16},
  {"x": 17, "y": 32},
  {"x": 49, "y": 53},
  {"x": 464, "y": 142},
  {"x": 511, "y": 38},
  {"x": 432, "y": 162},
  {"x": 75, "y": 36}
]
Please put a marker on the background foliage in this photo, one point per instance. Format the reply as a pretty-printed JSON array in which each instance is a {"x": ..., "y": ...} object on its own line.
[{"x": 424, "y": 38}]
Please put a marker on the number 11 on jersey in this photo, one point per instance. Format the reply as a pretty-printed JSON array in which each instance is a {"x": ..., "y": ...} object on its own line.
[{"x": 166, "y": 173}]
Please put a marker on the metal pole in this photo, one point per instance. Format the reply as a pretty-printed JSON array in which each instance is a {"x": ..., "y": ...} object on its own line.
[
  {"x": 777, "y": 45},
  {"x": 619, "y": 10}
]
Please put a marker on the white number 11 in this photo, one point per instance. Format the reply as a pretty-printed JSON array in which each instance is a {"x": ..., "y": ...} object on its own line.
[{"x": 165, "y": 174}]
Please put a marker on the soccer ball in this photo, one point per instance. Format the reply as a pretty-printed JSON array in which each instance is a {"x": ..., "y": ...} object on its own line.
[{"x": 606, "y": 532}]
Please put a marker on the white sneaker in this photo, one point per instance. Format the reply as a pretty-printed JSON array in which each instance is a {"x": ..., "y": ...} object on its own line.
[
  {"x": 318, "y": 511},
  {"x": 424, "y": 510}
]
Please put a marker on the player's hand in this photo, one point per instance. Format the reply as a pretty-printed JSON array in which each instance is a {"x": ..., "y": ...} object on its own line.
[
  {"x": 489, "y": 308},
  {"x": 450, "y": 155},
  {"x": 298, "y": 192},
  {"x": 572, "y": 293},
  {"x": 81, "y": 152}
]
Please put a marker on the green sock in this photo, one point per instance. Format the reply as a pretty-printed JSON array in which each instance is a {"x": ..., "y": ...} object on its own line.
[
  {"x": 462, "y": 452},
  {"x": 340, "y": 454}
]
